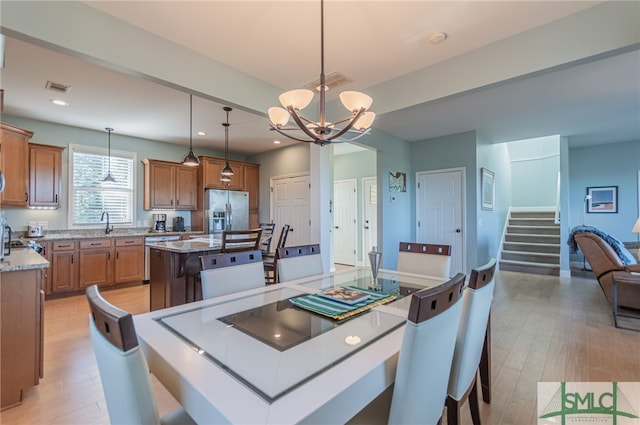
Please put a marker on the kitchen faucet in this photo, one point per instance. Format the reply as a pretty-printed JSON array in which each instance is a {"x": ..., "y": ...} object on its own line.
[{"x": 108, "y": 229}]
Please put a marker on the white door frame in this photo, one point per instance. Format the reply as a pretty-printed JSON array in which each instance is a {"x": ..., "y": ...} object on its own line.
[
  {"x": 365, "y": 248},
  {"x": 463, "y": 191}
]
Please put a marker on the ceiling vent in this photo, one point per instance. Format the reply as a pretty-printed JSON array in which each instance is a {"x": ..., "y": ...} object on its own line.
[
  {"x": 333, "y": 80},
  {"x": 57, "y": 87}
]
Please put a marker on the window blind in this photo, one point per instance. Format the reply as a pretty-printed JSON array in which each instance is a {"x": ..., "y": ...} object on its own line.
[{"x": 91, "y": 196}]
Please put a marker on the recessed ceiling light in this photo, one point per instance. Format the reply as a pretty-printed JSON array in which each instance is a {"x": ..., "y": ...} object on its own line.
[
  {"x": 201, "y": 133},
  {"x": 437, "y": 37},
  {"x": 58, "y": 102},
  {"x": 276, "y": 142}
]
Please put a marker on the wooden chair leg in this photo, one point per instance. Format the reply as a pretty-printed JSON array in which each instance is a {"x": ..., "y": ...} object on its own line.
[
  {"x": 453, "y": 411},
  {"x": 474, "y": 403}
]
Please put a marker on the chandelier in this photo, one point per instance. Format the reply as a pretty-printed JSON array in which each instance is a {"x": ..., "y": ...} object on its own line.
[{"x": 321, "y": 132}]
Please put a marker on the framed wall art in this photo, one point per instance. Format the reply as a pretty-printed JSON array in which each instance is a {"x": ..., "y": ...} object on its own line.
[
  {"x": 488, "y": 189},
  {"x": 397, "y": 182},
  {"x": 603, "y": 199}
]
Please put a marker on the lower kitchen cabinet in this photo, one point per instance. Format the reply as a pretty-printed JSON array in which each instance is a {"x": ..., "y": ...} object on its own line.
[
  {"x": 129, "y": 264},
  {"x": 21, "y": 334},
  {"x": 96, "y": 266},
  {"x": 78, "y": 264},
  {"x": 64, "y": 266}
]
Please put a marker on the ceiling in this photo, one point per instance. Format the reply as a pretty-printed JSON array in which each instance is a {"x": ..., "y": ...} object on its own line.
[{"x": 370, "y": 42}]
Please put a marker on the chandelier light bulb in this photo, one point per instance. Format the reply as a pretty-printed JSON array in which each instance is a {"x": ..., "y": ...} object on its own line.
[
  {"x": 279, "y": 116},
  {"x": 354, "y": 100},
  {"x": 298, "y": 99},
  {"x": 365, "y": 121}
]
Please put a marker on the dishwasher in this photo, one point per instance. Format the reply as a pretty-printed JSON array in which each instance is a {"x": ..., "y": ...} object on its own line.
[{"x": 147, "y": 250}]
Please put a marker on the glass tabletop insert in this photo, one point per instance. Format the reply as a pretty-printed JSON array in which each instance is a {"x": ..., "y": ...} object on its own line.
[{"x": 271, "y": 346}]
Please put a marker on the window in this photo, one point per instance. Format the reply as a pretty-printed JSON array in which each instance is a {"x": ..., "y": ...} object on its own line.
[{"x": 90, "y": 196}]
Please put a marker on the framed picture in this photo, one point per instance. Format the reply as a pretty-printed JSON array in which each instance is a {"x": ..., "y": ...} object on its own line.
[
  {"x": 602, "y": 199},
  {"x": 397, "y": 182},
  {"x": 488, "y": 189}
]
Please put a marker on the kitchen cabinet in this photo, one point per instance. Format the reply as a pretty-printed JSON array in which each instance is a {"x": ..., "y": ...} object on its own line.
[
  {"x": 21, "y": 334},
  {"x": 45, "y": 175},
  {"x": 252, "y": 186},
  {"x": 129, "y": 263},
  {"x": 246, "y": 178},
  {"x": 96, "y": 266},
  {"x": 169, "y": 185},
  {"x": 211, "y": 168},
  {"x": 46, "y": 275},
  {"x": 64, "y": 266},
  {"x": 14, "y": 164}
]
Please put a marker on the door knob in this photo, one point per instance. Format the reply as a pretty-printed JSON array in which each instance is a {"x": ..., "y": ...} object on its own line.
[
  {"x": 336, "y": 227},
  {"x": 458, "y": 230}
]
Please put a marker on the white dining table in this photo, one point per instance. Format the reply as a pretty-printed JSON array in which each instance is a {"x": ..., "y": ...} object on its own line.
[{"x": 252, "y": 357}]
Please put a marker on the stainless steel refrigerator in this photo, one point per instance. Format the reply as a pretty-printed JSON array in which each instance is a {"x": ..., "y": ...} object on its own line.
[{"x": 226, "y": 210}]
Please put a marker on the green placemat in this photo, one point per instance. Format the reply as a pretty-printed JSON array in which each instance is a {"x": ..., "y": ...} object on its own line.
[{"x": 338, "y": 310}]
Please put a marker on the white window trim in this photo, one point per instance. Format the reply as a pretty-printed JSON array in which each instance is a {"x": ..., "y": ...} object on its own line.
[{"x": 100, "y": 151}]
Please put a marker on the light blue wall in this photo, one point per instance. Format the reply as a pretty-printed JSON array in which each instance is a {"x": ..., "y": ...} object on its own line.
[
  {"x": 490, "y": 223},
  {"x": 293, "y": 159},
  {"x": 535, "y": 164},
  {"x": 60, "y": 135},
  {"x": 357, "y": 166},
  {"x": 606, "y": 165},
  {"x": 453, "y": 151}
]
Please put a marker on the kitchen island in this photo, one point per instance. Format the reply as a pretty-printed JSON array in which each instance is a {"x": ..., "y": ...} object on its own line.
[
  {"x": 175, "y": 268},
  {"x": 22, "y": 318}
]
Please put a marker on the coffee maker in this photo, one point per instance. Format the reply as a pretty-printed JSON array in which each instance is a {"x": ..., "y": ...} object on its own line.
[{"x": 160, "y": 222}]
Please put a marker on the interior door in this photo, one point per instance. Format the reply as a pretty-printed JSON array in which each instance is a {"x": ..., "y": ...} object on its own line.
[
  {"x": 370, "y": 217},
  {"x": 290, "y": 200},
  {"x": 345, "y": 231},
  {"x": 439, "y": 212}
]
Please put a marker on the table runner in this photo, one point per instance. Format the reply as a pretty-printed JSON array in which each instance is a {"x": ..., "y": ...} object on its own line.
[{"x": 341, "y": 311}]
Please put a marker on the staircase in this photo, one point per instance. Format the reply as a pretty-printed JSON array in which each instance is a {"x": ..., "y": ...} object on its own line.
[{"x": 531, "y": 244}]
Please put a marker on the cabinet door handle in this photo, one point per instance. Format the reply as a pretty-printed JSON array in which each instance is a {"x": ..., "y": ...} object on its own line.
[
  {"x": 172, "y": 202},
  {"x": 72, "y": 259},
  {"x": 95, "y": 244},
  {"x": 108, "y": 256},
  {"x": 26, "y": 196},
  {"x": 56, "y": 198},
  {"x": 117, "y": 255}
]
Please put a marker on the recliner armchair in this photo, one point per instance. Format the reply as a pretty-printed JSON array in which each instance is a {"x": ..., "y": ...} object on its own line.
[{"x": 604, "y": 261}]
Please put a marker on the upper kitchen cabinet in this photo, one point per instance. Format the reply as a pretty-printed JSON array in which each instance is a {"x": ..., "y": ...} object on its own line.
[
  {"x": 169, "y": 185},
  {"x": 211, "y": 168},
  {"x": 14, "y": 164},
  {"x": 45, "y": 175}
]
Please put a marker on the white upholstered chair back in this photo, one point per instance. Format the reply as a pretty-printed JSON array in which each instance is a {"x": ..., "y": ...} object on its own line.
[
  {"x": 426, "y": 259},
  {"x": 476, "y": 306},
  {"x": 123, "y": 369},
  {"x": 296, "y": 262},
  {"x": 227, "y": 273},
  {"x": 426, "y": 352}
]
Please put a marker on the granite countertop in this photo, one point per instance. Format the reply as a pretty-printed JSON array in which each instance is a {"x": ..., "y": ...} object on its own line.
[
  {"x": 99, "y": 233},
  {"x": 205, "y": 243},
  {"x": 23, "y": 259}
]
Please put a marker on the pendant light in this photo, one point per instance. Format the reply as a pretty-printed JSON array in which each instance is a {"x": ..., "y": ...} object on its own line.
[
  {"x": 109, "y": 176},
  {"x": 190, "y": 158},
  {"x": 227, "y": 171}
]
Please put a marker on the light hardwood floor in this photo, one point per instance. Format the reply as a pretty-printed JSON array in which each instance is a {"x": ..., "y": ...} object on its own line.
[{"x": 544, "y": 329}]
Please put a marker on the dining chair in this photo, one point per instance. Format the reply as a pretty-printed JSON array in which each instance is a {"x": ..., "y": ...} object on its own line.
[
  {"x": 231, "y": 272},
  {"x": 423, "y": 258},
  {"x": 123, "y": 369},
  {"x": 241, "y": 240},
  {"x": 476, "y": 307},
  {"x": 420, "y": 390},
  {"x": 266, "y": 237},
  {"x": 295, "y": 262},
  {"x": 269, "y": 260}
]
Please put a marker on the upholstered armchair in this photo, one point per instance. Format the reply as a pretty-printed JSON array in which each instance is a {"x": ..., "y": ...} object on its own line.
[{"x": 604, "y": 261}]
